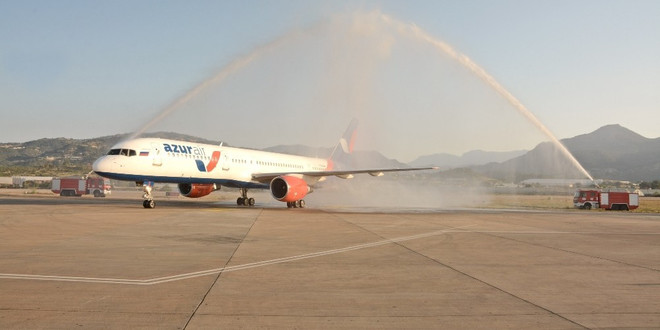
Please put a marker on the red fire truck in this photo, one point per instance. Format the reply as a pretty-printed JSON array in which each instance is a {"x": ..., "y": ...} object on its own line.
[
  {"x": 609, "y": 200},
  {"x": 78, "y": 186}
]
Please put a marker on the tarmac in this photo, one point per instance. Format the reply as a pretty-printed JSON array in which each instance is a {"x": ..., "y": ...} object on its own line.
[{"x": 109, "y": 263}]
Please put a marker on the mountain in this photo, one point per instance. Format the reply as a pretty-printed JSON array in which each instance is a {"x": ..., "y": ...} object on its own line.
[
  {"x": 618, "y": 153},
  {"x": 610, "y": 152},
  {"x": 470, "y": 158},
  {"x": 76, "y": 155},
  {"x": 60, "y": 151}
]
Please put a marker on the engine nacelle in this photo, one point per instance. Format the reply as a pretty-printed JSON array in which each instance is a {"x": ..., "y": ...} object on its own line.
[
  {"x": 196, "y": 190},
  {"x": 288, "y": 188}
]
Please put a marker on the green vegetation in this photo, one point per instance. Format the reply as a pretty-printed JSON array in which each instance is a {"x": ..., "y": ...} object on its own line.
[
  {"x": 558, "y": 202},
  {"x": 47, "y": 169},
  {"x": 62, "y": 156},
  {"x": 655, "y": 184}
]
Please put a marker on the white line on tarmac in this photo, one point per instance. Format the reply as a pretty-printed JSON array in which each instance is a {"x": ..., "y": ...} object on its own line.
[{"x": 214, "y": 271}]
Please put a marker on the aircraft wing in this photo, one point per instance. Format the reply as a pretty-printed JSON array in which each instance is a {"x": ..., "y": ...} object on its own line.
[{"x": 346, "y": 174}]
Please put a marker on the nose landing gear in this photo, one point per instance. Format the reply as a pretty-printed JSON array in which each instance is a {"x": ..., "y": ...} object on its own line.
[{"x": 148, "y": 202}]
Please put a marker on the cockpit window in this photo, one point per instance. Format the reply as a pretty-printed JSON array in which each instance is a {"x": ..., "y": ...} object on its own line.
[{"x": 122, "y": 152}]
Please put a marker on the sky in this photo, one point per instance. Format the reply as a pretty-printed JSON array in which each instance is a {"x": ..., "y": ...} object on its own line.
[{"x": 292, "y": 72}]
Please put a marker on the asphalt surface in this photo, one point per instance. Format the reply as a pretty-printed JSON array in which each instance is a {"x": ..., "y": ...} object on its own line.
[{"x": 109, "y": 263}]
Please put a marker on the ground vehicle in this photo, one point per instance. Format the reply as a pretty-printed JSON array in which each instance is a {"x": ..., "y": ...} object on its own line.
[
  {"x": 78, "y": 186},
  {"x": 609, "y": 200}
]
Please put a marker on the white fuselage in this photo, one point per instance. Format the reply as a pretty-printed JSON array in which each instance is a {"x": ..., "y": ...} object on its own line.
[{"x": 172, "y": 161}]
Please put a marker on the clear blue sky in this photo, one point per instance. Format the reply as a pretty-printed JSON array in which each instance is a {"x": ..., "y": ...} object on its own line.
[{"x": 83, "y": 69}]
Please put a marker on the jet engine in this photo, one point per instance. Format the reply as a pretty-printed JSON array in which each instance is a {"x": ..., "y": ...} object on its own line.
[
  {"x": 286, "y": 188},
  {"x": 195, "y": 190}
]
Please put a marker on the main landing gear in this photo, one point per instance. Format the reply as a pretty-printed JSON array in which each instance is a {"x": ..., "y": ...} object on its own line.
[
  {"x": 244, "y": 200},
  {"x": 297, "y": 204},
  {"x": 148, "y": 202}
]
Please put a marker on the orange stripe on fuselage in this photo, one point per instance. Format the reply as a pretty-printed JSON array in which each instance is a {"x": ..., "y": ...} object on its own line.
[{"x": 215, "y": 158}]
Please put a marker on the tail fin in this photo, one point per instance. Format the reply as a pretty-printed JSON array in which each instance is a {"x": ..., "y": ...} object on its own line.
[{"x": 346, "y": 142}]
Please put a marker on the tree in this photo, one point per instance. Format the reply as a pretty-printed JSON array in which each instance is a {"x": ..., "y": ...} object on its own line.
[{"x": 655, "y": 184}]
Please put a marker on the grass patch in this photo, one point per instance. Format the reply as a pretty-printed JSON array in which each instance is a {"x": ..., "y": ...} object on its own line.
[
  {"x": 559, "y": 202},
  {"x": 531, "y": 201}
]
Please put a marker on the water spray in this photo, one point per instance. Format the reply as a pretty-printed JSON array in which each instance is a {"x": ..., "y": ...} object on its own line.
[
  {"x": 419, "y": 34},
  {"x": 228, "y": 70},
  {"x": 403, "y": 29}
]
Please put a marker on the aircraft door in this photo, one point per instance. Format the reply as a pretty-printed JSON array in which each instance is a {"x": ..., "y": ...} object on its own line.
[
  {"x": 157, "y": 158},
  {"x": 225, "y": 161}
]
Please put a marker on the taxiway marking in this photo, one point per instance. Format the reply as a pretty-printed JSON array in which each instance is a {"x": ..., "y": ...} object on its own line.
[{"x": 214, "y": 271}]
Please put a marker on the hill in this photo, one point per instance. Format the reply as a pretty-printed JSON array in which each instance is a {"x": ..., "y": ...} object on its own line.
[
  {"x": 610, "y": 152},
  {"x": 470, "y": 158},
  {"x": 64, "y": 156}
]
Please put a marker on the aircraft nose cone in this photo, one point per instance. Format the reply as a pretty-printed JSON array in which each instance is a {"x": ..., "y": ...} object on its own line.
[
  {"x": 96, "y": 166},
  {"x": 101, "y": 165}
]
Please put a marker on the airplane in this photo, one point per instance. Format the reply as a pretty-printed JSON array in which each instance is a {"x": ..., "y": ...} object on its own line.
[{"x": 200, "y": 169}]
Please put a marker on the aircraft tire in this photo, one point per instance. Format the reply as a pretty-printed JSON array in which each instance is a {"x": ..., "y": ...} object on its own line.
[
  {"x": 149, "y": 204},
  {"x": 250, "y": 201}
]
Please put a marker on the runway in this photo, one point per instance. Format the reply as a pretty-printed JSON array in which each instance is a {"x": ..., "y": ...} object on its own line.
[{"x": 109, "y": 263}]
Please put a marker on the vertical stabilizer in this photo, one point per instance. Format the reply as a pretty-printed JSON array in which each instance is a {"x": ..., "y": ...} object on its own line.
[{"x": 346, "y": 143}]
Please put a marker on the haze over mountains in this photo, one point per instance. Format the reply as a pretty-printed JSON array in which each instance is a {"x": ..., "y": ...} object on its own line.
[
  {"x": 614, "y": 151},
  {"x": 470, "y": 158},
  {"x": 611, "y": 152}
]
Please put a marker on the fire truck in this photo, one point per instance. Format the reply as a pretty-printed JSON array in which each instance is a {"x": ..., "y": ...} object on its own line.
[
  {"x": 609, "y": 200},
  {"x": 78, "y": 186}
]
